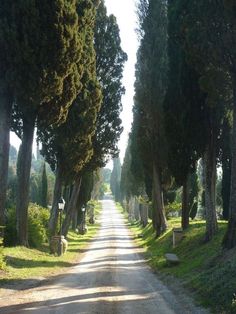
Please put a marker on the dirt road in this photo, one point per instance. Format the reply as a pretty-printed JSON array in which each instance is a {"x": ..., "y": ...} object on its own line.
[{"x": 111, "y": 278}]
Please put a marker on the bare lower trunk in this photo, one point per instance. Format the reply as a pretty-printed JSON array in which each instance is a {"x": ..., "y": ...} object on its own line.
[
  {"x": 74, "y": 220},
  {"x": 23, "y": 177},
  {"x": 158, "y": 219},
  {"x": 144, "y": 214},
  {"x": 5, "y": 117},
  {"x": 209, "y": 163},
  {"x": 71, "y": 208},
  {"x": 130, "y": 209},
  {"x": 230, "y": 236},
  {"x": 185, "y": 205},
  {"x": 134, "y": 208},
  {"x": 56, "y": 197}
]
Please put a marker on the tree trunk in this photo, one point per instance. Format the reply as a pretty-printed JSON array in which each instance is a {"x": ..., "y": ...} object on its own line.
[
  {"x": 52, "y": 226},
  {"x": 144, "y": 214},
  {"x": 23, "y": 178},
  {"x": 230, "y": 236},
  {"x": 209, "y": 164},
  {"x": 185, "y": 205},
  {"x": 71, "y": 206},
  {"x": 226, "y": 167},
  {"x": 5, "y": 118},
  {"x": 158, "y": 215},
  {"x": 134, "y": 210},
  {"x": 74, "y": 220}
]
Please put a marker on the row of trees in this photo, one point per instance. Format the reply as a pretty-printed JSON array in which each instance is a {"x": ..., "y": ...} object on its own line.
[
  {"x": 185, "y": 107},
  {"x": 62, "y": 67}
]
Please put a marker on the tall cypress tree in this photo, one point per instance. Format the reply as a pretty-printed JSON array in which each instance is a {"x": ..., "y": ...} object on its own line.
[
  {"x": 184, "y": 111},
  {"x": 6, "y": 98},
  {"x": 110, "y": 59},
  {"x": 150, "y": 89},
  {"x": 202, "y": 35},
  {"x": 39, "y": 75},
  {"x": 68, "y": 148}
]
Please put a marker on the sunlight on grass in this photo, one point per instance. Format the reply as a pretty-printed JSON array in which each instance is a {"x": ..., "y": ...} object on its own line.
[
  {"x": 204, "y": 268},
  {"x": 23, "y": 263}
]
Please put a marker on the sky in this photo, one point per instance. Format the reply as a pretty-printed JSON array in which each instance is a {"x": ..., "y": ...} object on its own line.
[{"x": 124, "y": 10}]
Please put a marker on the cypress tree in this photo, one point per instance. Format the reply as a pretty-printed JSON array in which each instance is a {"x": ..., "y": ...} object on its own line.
[
  {"x": 184, "y": 111},
  {"x": 68, "y": 148},
  {"x": 6, "y": 98},
  {"x": 110, "y": 59},
  {"x": 44, "y": 188},
  {"x": 40, "y": 75},
  {"x": 202, "y": 35},
  {"x": 150, "y": 89},
  {"x": 115, "y": 179}
]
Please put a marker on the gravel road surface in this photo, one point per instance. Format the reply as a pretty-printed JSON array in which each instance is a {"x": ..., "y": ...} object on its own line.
[{"x": 111, "y": 278}]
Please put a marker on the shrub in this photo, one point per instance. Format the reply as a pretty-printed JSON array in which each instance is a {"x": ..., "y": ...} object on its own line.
[
  {"x": 10, "y": 231},
  {"x": 173, "y": 209},
  {"x": 38, "y": 218},
  {"x": 2, "y": 263}
]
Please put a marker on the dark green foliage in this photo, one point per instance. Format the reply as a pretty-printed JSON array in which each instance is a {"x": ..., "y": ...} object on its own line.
[
  {"x": 39, "y": 76},
  {"x": 115, "y": 179},
  {"x": 11, "y": 187},
  {"x": 10, "y": 237},
  {"x": 37, "y": 226},
  {"x": 150, "y": 90},
  {"x": 68, "y": 148},
  {"x": 44, "y": 188},
  {"x": 85, "y": 189},
  {"x": 150, "y": 85},
  {"x": 184, "y": 107},
  {"x": 35, "y": 187},
  {"x": 132, "y": 181},
  {"x": 193, "y": 190},
  {"x": 70, "y": 145},
  {"x": 110, "y": 59},
  {"x": 169, "y": 196},
  {"x": 193, "y": 210}
]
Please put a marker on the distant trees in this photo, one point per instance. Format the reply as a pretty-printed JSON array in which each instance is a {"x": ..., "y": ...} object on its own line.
[
  {"x": 44, "y": 188},
  {"x": 115, "y": 179}
]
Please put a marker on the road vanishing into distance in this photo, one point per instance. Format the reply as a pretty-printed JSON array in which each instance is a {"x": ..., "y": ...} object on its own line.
[{"x": 112, "y": 277}]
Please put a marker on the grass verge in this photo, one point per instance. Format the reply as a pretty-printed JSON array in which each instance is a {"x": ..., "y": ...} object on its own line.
[
  {"x": 204, "y": 268},
  {"x": 23, "y": 263}
]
